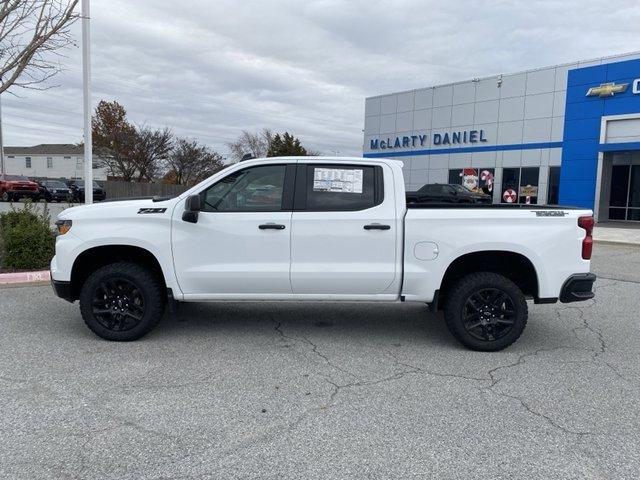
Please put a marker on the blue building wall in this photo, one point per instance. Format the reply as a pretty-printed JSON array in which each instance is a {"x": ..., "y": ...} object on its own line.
[{"x": 583, "y": 116}]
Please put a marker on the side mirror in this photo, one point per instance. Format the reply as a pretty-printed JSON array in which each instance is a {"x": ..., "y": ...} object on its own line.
[{"x": 192, "y": 206}]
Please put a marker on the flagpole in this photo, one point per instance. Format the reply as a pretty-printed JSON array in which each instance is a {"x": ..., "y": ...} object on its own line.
[{"x": 86, "y": 83}]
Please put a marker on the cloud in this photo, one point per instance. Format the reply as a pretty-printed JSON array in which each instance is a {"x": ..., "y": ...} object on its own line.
[{"x": 210, "y": 69}]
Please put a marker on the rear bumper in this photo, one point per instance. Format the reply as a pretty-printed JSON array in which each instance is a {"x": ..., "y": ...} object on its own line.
[{"x": 578, "y": 288}]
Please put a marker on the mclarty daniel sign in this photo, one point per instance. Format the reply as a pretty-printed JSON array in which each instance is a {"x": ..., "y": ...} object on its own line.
[{"x": 411, "y": 141}]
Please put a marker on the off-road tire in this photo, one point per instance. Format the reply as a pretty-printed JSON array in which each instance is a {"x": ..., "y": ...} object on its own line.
[
  {"x": 148, "y": 286},
  {"x": 456, "y": 306}
]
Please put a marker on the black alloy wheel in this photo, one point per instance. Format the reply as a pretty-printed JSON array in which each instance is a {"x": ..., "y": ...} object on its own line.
[
  {"x": 118, "y": 305},
  {"x": 489, "y": 314}
]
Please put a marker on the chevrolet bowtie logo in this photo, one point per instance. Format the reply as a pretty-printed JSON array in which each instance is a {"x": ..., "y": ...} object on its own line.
[{"x": 607, "y": 90}]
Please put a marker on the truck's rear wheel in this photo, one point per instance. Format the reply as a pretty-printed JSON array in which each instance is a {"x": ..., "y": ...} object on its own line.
[
  {"x": 122, "y": 301},
  {"x": 485, "y": 311}
]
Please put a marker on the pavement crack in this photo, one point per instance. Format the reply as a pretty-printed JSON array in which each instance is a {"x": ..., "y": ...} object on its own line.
[
  {"x": 541, "y": 415},
  {"x": 314, "y": 349}
]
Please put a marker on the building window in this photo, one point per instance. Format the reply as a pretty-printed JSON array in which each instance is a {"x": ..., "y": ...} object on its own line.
[
  {"x": 529, "y": 181},
  {"x": 474, "y": 179},
  {"x": 520, "y": 185},
  {"x": 27, "y": 162},
  {"x": 554, "y": 186},
  {"x": 49, "y": 162},
  {"x": 67, "y": 158}
]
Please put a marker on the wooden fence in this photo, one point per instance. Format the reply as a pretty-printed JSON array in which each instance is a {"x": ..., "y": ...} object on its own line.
[{"x": 115, "y": 189}]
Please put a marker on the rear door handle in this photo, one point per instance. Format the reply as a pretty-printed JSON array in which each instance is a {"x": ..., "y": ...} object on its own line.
[
  {"x": 377, "y": 226},
  {"x": 271, "y": 226}
]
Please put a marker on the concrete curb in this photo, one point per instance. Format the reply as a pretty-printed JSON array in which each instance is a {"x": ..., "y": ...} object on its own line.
[
  {"x": 41, "y": 276},
  {"x": 616, "y": 242}
]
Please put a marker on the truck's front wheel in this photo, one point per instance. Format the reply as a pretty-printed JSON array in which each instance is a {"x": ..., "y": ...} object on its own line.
[
  {"x": 485, "y": 311},
  {"x": 122, "y": 301}
]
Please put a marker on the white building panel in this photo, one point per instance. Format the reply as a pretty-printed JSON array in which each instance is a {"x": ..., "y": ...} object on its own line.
[
  {"x": 442, "y": 96},
  {"x": 513, "y": 85},
  {"x": 422, "y": 119},
  {"x": 441, "y": 117},
  {"x": 423, "y": 98},
  {"x": 405, "y": 102},
  {"x": 486, "y": 112},
  {"x": 372, "y": 106},
  {"x": 541, "y": 81},
  {"x": 538, "y": 106},
  {"x": 464, "y": 93},
  {"x": 462, "y": 114},
  {"x": 388, "y": 104},
  {"x": 511, "y": 109},
  {"x": 537, "y": 130}
]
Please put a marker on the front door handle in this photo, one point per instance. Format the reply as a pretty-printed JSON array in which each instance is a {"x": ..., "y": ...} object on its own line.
[
  {"x": 271, "y": 226},
  {"x": 377, "y": 226}
]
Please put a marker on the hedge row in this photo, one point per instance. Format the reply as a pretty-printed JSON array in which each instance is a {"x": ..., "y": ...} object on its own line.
[{"x": 26, "y": 239}]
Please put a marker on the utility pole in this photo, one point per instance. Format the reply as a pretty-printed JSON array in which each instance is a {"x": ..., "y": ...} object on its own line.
[{"x": 86, "y": 82}]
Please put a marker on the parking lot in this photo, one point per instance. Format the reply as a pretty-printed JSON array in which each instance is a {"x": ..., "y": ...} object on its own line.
[
  {"x": 54, "y": 208},
  {"x": 285, "y": 390}
]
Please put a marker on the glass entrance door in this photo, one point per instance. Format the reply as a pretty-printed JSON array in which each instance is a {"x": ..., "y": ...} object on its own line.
[{"x": 624, "y": 200}]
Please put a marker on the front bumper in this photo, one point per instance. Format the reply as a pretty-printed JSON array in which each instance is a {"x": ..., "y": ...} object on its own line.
[
  {"x": 578, "y": 288},
  {"x": 24, "y": 193},
  {"x": 62, "y": 290}
]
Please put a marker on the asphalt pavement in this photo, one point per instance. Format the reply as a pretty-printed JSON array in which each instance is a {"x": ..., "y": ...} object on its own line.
[{"x": 344, "y": 391}]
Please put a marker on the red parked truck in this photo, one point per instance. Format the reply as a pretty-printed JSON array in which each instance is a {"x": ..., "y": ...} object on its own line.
[{"x": 14, "y": 187}]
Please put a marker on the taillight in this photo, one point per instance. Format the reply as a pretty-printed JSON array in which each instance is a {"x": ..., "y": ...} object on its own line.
[{"x": 587, "y": 244}]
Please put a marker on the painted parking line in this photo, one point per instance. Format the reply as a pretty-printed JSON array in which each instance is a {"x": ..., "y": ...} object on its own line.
[{"x": 25, "y": 277}]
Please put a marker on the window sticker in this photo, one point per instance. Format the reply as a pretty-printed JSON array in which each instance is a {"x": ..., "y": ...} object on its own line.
[{"x": 337, "y": 180}]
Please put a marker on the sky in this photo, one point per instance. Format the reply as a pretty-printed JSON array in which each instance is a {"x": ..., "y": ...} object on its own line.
[{"x": 209, "y": 69}]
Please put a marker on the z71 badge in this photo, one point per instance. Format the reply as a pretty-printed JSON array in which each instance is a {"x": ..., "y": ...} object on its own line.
[
  {"x": 152, "y": 210},
  {"x": 550, "y": 213}
]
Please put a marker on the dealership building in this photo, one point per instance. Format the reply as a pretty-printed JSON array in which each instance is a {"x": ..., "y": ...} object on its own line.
[{"x": 567, "y": 134}]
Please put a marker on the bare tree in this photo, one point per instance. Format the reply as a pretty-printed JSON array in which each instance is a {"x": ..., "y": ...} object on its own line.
[
  {"x": 257, "y": 144},
  {"x": 151, "y": 148},
  {"x": 191, "y": 162},
  {"x": 32, "y": 34}
]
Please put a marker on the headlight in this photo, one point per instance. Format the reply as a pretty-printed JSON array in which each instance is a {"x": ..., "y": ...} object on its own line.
[{"x": 63, "y": 226}]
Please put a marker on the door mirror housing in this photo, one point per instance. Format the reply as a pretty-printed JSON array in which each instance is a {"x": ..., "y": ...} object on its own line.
[{"x": 192, "y": 205}]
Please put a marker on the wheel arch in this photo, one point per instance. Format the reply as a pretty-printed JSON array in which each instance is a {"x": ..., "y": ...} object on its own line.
[
  {"x": 515, "y": 266},
  {"x": 91, "y": 259}
]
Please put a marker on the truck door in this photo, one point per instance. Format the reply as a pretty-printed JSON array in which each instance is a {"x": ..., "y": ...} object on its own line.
[
  {"x": 343, "y": 232},
  {"x": 241, "y": 242}
]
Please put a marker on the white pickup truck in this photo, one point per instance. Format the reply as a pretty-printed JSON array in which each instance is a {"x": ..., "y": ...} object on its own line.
[{"x": 320, "y": 229}]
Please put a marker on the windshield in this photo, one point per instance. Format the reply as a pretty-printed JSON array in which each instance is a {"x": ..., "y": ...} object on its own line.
[
  {"x": 460, "y": 188},
  {"x": 19, "y": 178},
  {"x": 55, "y": 184}
]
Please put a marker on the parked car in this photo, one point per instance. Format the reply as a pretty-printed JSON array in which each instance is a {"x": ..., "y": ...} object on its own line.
[
  {"x": 329, "y": 230},
  {"x": 15, "y": 187},
  {"x": 77, "y": 189},
  {"x": 54, "y": 191},
  {"x": 447, "y": 193}
]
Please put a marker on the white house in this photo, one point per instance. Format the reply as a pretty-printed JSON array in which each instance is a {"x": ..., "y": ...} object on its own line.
[{"x": 50, "y": 160}]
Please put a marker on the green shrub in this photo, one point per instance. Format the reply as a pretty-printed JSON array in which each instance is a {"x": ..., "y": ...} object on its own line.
[{"x": 26, "y": 238}]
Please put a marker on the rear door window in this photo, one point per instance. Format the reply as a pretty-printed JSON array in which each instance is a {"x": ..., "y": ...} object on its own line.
[{"x": 338, "y": 187}]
